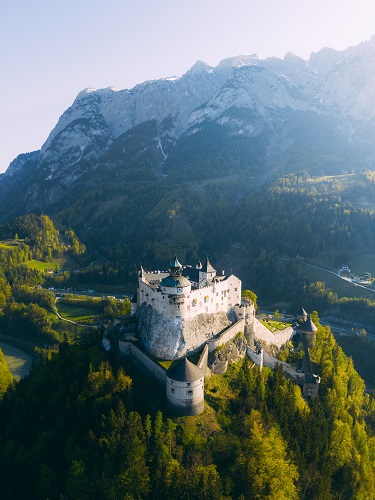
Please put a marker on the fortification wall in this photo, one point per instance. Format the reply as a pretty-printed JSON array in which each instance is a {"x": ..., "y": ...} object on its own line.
[
  {"x": 255, "y": 355},
  {"x": 202, "y": 363},
  {"x": 144, "y": 362},
  {"x": 278, "y": 338},
  {"x": 219, "y": 296},
  {"x": 226, "y": 336}
]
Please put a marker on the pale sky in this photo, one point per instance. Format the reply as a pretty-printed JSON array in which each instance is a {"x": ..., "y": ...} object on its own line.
[{"x": 52, "y": 49}]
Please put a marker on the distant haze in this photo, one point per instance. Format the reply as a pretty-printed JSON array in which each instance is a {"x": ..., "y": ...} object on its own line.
[{"x": 52, "y": 50}]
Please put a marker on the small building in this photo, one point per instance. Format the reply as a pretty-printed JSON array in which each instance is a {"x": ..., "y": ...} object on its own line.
[{"x": 185, "y": 388}]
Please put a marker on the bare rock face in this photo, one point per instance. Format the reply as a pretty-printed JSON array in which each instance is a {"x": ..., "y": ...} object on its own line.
[
  {"x": 231, "y": 352},
  {"x": 167, "y": 338}
]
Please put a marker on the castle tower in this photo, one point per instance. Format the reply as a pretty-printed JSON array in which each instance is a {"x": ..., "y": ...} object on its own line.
[
  {"x": 206, "y": 272},
  {"x": 309, "y": 329},
  {"x": 302, "y": 315},
  {"x": 185, "y": 388},
  {"x": 175, "y": 284}
]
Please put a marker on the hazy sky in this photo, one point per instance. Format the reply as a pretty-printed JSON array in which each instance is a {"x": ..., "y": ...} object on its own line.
[{"x": 51, "y": 49}]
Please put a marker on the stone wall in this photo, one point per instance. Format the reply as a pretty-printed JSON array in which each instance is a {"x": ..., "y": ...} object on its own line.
[
  {"x": 144, "y": 362},
  {"x": 278, "y": 338},
  {"x": 185, "y": 398},
  {"x": 255, "y": 355},
  {"x": 226, "y": 336},
  {"x": 202, "y": 363}
]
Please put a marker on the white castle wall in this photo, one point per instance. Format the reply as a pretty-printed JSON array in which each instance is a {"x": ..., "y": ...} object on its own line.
[
  {"x": 226, "y": 336},
  {"x": 277, "y": 338},
  {"x": 185, "y": 398},
  {"x": 219, "y": 296}
]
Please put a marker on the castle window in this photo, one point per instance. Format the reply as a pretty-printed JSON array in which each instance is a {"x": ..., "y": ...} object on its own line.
[
  {"x": 235, "y": 289},
  {"x": 189, "y": 392},
  {"x": 172, "y": 389}
]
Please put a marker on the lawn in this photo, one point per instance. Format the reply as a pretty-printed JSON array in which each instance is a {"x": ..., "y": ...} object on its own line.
[
  {"x": 273, "y": 325},
  {"x": 60, "y": 263},
  {"x": 77, "y": 313},
  {"x": 41, "y": 266}
]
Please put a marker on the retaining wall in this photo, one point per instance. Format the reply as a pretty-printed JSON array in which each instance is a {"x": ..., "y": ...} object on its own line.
[
  {"x": 144, "y": 362},
  {"x": 278, "y": 338},
  {"x": 227, "y": 335}
]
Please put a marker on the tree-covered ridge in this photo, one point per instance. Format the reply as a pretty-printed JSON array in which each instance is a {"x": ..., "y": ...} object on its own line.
[
  {"x": 37, "y": 238},
  {"x": 26, "y": 309},
  {"x": 77, "y": 431}
]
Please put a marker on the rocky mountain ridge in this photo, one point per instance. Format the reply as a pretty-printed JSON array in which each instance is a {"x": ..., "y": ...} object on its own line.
[{"x": 245, "y": 113}]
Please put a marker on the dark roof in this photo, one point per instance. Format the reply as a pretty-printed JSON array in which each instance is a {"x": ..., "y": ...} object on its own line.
[
  {"x": 175, "y": 281},
  {"x": 308, "y": 326},
  {"x": 184, "y": 371},
  {"x": 207, "y": 268},
  {"x": 192, "y": 273}
]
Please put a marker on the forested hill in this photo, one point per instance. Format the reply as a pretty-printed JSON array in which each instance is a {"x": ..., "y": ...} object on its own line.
[{"x": 80, "y": 427}]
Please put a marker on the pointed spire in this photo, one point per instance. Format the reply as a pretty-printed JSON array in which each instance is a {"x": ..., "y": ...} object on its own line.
[
  {"x": 175, "y": 267},
  {"x": 141, "y": 272},
  {"x": 207, "y": 267}
]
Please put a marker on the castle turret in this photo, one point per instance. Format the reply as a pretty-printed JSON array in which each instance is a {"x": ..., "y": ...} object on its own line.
[
  {"x": 185, "y": 388},
  {"x": 206, "y": 272},
  {"x": 302, "y": 315},
  {"x": 309, "y": 329},
  {"x": 175, "y": 283}
]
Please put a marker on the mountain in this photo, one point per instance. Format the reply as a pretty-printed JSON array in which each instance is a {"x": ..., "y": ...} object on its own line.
[{"x": 130, "y": 158}]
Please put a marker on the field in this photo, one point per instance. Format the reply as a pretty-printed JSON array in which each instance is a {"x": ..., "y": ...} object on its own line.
[
  {"x": 77, "y": 313},
  {"x": 61, "y": 263},
  {"x": 341, "y": 287}
]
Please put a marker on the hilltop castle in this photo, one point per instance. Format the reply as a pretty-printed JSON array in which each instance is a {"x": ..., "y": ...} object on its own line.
[
  {"x": 189, "y": 309},
  {"x": 178, "y": 311}
]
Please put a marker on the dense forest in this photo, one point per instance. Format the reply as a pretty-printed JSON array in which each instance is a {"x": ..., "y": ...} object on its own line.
[
  {"x": 87, "y": 424},
  {"x": 80, "y": 427}
]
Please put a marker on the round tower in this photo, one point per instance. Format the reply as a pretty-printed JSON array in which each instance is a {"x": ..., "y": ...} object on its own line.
[
  {"x": 175, "y": 283},
  {"x": 309, "y": 329},
  {"x": 185, "y": 388}
]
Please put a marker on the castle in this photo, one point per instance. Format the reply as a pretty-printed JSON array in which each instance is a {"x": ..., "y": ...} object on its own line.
[
  {"x": 189, "y": 308},
  {"x": 178, "y": 311}
]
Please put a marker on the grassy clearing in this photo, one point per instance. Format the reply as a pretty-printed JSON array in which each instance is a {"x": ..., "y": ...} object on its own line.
[
  {"x": 60, "y": 263},
  {"x": 77, "y": 313},
  {"x": 41, "y": 266},
  {"x": 274, "y": 326},
  {"x": 8, "y": 244}
]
